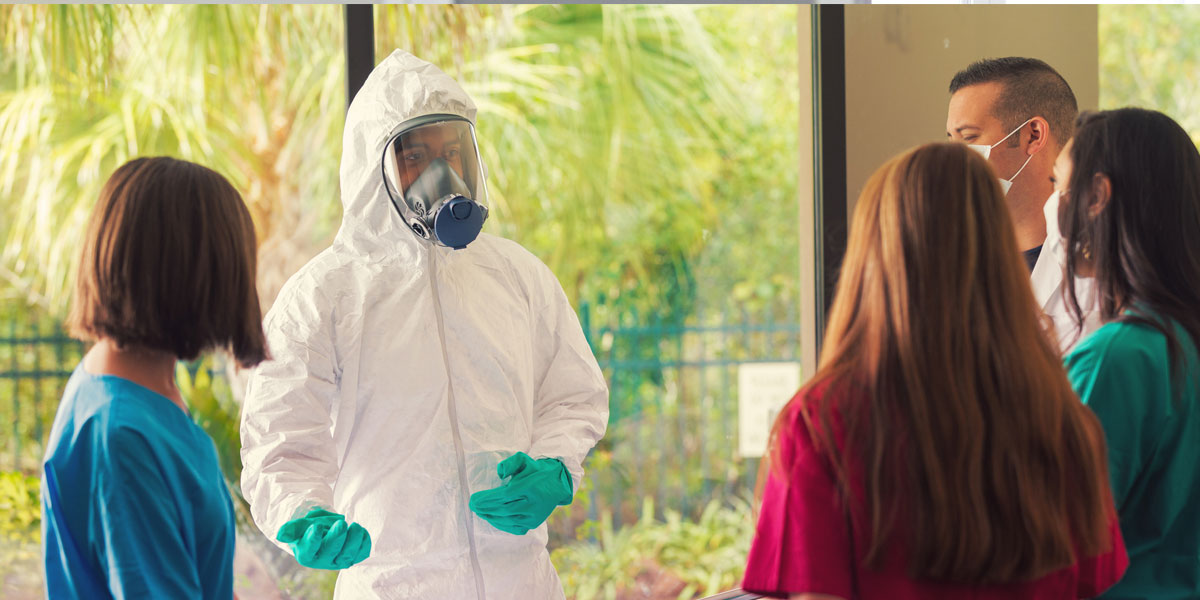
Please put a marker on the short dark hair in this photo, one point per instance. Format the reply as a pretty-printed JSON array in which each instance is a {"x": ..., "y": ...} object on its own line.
[
  {"x": 169, "y": 264},
  {"x": 1144, "y": 244},
  {"x": 1031, "y": 88}
]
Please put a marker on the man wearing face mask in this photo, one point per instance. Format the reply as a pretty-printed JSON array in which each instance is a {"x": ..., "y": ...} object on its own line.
[
  {"x": 1019, "y": 113},
  {"x": 429, "y": 383}
]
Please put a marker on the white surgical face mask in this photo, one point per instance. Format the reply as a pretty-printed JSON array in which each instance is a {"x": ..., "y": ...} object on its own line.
[{"x": 986, "y": 151}]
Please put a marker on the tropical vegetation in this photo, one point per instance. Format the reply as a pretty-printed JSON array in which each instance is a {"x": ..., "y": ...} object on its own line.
[
  {"x": 632, "y": 148},
  {"x": 646, "y": 153}
]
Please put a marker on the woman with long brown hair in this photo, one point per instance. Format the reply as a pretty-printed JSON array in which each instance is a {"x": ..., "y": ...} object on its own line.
[{"x": 939, "y": 451}]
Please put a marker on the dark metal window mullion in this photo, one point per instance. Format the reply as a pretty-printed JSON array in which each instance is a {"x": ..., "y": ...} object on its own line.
[
  {"x": 360, "y": 46},
  {"x": 829, "y": 152}
]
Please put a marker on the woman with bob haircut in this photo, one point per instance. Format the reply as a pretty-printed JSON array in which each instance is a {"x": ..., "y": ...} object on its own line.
[
  {"x": 1129, "y": 213},
  {"x": 938, "y": 451},
  {"x": 133, "y": 501}
]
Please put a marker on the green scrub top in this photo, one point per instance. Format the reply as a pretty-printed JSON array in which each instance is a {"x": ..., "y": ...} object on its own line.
[{"x": 1122, "y": 372}]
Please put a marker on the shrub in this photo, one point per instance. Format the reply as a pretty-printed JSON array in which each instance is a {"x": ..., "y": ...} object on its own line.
[{"x": 659, "y": 559}]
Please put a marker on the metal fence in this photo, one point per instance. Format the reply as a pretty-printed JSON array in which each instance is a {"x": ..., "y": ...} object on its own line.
[
  {"x": 36, "y": 360},
  {"x": 672, "y": 434}
]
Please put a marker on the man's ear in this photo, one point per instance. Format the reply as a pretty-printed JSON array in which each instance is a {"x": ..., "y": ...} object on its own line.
[
  {"x": 1039, "y": 135},
  {"x": 1101, "y": 194}
]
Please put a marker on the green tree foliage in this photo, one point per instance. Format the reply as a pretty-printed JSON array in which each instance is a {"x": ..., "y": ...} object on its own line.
[
  {"x": 633, "y": 148},
  {"x": 20, "y": 507},
  {"x": 1150, "y": 57},
  {"x": 255, "y": 92},
  {"x": 647, "y": 153},
  {"x": 20, "y": 532}
]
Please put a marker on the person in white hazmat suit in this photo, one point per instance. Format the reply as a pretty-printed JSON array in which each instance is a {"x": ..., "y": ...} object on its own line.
[{"x": 431, "y": 395}]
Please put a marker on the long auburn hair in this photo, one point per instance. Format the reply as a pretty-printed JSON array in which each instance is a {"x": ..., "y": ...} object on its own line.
[{"x": 939, "y": 369}]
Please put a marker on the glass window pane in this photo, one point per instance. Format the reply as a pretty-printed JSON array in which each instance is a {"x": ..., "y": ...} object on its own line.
[
  {"x": 257, "y": 93},
  {"x": 651, "y": 156},
  {"x": 657, "y": 158},
  {"x": 1149, "y": 57}
]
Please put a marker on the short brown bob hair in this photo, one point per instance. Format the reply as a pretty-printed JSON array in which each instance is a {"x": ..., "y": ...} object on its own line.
[{"x": 169, "y": 264}]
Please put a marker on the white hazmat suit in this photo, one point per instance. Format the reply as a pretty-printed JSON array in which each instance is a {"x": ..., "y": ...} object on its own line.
[{"x": 403, "y": 372}]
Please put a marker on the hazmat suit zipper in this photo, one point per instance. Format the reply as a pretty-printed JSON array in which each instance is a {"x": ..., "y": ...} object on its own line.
[{"x": 453, "y": 413}]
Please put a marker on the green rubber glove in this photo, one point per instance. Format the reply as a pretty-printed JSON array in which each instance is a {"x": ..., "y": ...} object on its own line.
[
  {"x": 534, "y": 488},
  {"x": 322, "y": 540}
]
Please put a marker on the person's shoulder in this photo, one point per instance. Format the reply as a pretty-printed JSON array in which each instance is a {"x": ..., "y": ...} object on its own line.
[
  {"x": 116, "y": 421},
  {"x": 525, "y": 267},
  {"x": 1118, "y": 355},
  {"x": 320, "y": 269},
  {"x": 83, "y": 412},
  {"x": 814, "y": 402},
  {"x": 113, "y": 417},
  {"x": 327, "y": 273},
  {"x": 509, "y": 251},
  {"x": 104, "y": 399},
  {"x": 135, "y": 411},
  {"x": 830, "y": 390},
  {"x": 1122, "y": 343},
  {"x": 810, "y": 428}
]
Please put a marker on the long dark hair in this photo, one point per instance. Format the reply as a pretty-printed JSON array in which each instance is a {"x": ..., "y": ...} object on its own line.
[
  {"x": 1145, "y": 243},
  {"x": 951, "y": 392}
]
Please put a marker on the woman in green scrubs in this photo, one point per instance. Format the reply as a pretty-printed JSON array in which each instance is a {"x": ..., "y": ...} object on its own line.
[{"x": 1129, "y": 187}]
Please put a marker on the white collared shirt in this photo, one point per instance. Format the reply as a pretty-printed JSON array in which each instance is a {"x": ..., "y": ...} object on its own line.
[{"x": 1049, "y": 286}]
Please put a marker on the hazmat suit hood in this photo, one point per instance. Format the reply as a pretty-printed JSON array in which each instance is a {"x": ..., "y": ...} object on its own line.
[
  {"x": 403, "y": 372},
  {"x": 402, "y": 87}
]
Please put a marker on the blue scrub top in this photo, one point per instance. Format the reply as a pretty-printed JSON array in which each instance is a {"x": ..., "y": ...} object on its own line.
[{"x": 133, "y": 501}]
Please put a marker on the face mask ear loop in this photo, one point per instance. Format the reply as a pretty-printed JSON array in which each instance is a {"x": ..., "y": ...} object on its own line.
[
  {"x": 1014, "y": 176},
  {"x": 1010, "y": 134}
]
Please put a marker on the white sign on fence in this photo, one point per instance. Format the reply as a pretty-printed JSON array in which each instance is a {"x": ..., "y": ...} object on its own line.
[{"x": 763, "y": 390}]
